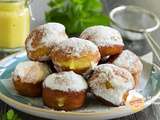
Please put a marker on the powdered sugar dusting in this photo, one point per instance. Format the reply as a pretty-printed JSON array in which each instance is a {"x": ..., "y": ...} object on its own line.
[
  {"x": 102, "y": 35},
  {"x": 53, "y": 33},
  {"x": 55, "y": 26},
  {"x": 135, "y": 100},
  {"x": 31, "y": 72},
  {"x": 130, "y": 61},
  {"x": 76, "y": 46},
  {"x": 132, "y": 94},
  {"x": 120, "y": 79},
  {"x": 65, "y": 81}
]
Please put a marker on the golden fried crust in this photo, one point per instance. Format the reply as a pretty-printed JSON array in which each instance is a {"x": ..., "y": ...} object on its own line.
[
  {"x": 28, "y": 89},
  {"x": 59, "y": 57},
  {"x": 110, "y": 50},
  {"x": 78, "y": 71},
  {"x": 36, "y": 35},
  {"x": 112, "y": 58},
  {"x": 37, "y": 55},
  {"x": 60, "y": 100}
]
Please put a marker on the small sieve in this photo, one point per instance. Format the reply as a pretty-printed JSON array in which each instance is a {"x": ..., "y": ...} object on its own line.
[{"x": 136, "y": 23}]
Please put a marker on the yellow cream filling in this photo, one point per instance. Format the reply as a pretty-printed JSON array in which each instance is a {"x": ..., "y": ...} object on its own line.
[
  {"x": 108, "y": 85},
  {"x": 74, "y": 64},
  {"x": 60, "y": 102}
]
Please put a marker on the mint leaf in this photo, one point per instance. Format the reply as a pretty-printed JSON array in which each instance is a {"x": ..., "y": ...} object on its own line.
[
  {"x": 10, "y": 114},
  {"x": 76, "y": 15}
]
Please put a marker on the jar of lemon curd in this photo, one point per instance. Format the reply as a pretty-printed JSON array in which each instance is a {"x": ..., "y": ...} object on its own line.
[{"x": 14, "y": 24}]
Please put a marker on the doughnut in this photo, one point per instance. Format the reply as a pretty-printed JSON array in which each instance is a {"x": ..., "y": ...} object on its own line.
[
  {"x": 75, "y": 54},
  {"x": 110, "y": 84},
  {"x": 135, "y": 101},
  {"x": 42, "y": 39},
  {"x": 28, "y": 76},
  {"x": 64, "y": 91},
  {"x": 108, "y": 40},
  {"x": 129, "y": 61}
]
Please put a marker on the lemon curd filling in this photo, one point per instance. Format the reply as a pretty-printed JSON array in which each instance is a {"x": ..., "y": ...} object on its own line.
[
  {"x": 14, "y": 24},
  {"x": 108, "y": 85},
  {"x": 60, "y": 102},
  {"x": 77, "y": 64}
]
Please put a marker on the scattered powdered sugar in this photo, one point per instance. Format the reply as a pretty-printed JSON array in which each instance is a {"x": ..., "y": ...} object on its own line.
[
  {"x": 76, "y": 46},
  {"x": 102, "y": 35},
  {"x": 130, "y": 61},
  {"x": 53, "y": 33},
  {"x": 120, "y": 79},
  {"x": 31, "y": 72},
  {"x": 65, "y": 81}
]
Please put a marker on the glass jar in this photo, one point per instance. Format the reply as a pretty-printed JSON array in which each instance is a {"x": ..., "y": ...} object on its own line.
[{"x": 14, "y": 24}]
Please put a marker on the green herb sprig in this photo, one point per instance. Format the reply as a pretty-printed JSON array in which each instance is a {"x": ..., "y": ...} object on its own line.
[
  {"x": 76, "y": 15},
  {"x": 10, "y": 115}
]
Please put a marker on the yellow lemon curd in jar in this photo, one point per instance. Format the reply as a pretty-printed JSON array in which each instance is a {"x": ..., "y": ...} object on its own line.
[{"x": 14, "y": 24}]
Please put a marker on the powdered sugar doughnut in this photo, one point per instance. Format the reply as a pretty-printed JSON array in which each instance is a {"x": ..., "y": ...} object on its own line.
[
  {"x": 108, "y": 40},
  {"x": 129, "y": 61},
  {"x": 75, "y": 54},
  {"x": 64, "y": 91},
  {"x": 111, "y": 83},
  {"x": 135, "y": 101},
  {"x": 28, "y": 77},
  {"x": 42, "y": 39}
]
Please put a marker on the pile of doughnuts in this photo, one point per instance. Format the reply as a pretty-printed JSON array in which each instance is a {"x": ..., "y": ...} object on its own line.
[{"x": 74, "y": 67}]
